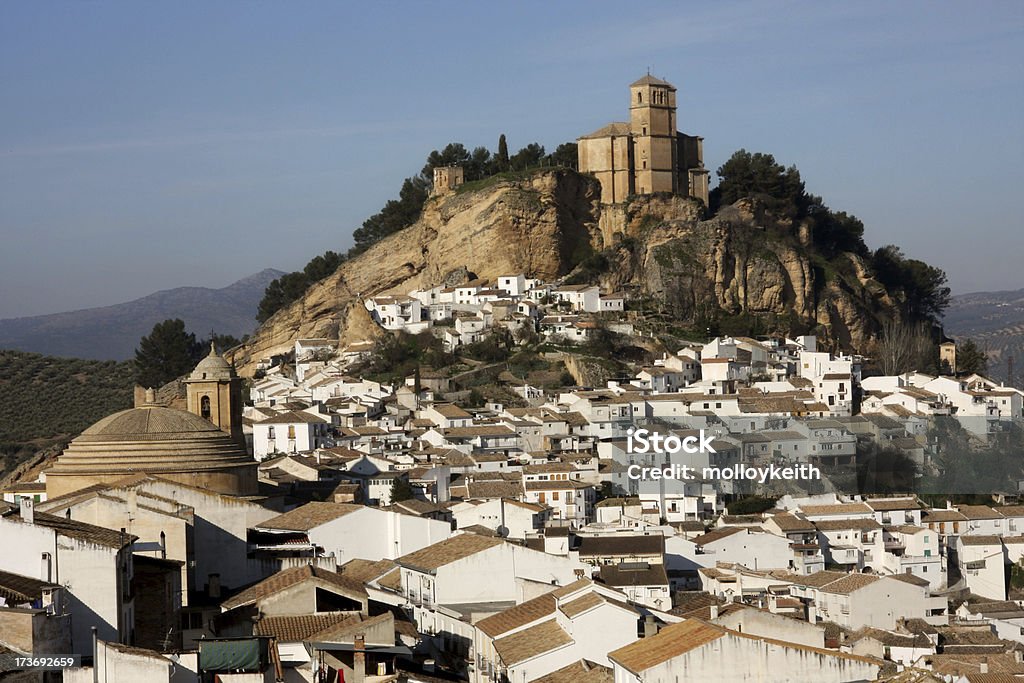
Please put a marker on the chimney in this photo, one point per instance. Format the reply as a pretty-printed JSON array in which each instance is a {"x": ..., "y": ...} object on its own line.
[
  {"x": 983, "y": 665},
  {"x": 650, "y": 628},
  {"x": 714, "y": 612},
  {"x": 359, "y": 658},
  {"x": 28, "y": 509}
]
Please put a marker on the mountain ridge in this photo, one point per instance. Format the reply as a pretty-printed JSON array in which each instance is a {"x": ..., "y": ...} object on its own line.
[{"x": 112, "y": 332}]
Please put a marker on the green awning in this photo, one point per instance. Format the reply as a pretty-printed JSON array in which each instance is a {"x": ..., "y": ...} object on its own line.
[{"x": 247, "y": 654}]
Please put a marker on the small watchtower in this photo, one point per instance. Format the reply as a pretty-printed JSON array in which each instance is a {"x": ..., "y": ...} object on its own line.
[{"x": 447, "y": 178}]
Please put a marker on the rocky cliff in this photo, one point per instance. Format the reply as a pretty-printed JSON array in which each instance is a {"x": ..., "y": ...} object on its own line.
[
  {"x": 542, "y": 225},
  {"x": 741, "y": 263}
]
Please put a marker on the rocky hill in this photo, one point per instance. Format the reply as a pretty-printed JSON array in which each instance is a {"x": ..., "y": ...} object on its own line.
[
  {"x": 113, "y": 332},
  {"x": 743, "y": 266}
]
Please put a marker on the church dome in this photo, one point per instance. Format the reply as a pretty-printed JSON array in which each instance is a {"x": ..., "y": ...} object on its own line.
[
  {"x": 213, "y": 367},
  {"x": 154, "y": 440}
]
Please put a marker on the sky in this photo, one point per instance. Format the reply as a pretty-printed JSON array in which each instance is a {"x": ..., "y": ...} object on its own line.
[{"x": 145, "y": 146}]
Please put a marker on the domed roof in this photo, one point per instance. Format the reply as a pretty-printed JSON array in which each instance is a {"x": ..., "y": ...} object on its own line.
[
  {"x": 151, "y": 439},
  {"x": 149, "y": 423},
  {"x": 213, "y": 367}
]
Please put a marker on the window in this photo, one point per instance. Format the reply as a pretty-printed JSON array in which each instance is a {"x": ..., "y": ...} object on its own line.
[
  {"x": 204, "y": 407},
  {"x": 291, "y": 431},
  {"x": 639, "y": 97},
  {"x": 554, "y": 495},
  {"x": 270, "y": 432}
]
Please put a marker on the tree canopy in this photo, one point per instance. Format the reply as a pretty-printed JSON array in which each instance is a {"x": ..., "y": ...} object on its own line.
[
  {"x": 926, "y": 295},
  {"x": 167, "y": 352},
  {"x": 970, "y": 359}
]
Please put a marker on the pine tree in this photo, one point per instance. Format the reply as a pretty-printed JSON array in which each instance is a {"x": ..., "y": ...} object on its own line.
[{"x": 166, "y": 353}]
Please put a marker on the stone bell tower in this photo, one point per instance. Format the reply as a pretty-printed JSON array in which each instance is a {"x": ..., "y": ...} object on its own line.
[{"x": 214, "y": 392}]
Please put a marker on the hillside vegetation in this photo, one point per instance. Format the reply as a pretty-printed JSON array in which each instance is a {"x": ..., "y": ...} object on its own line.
[{"x": 49, "y": 400}]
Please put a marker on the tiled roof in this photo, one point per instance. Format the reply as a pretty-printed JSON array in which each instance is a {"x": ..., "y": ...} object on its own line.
[
  {"x": 789, "y": 522},
  {"x": 290, "y": 577},
  {"x": 717, "y": 535},
  {"x": 365, "y": 570},
  {"x": 445, "y": 552},
  {"x": 978, "y": 512},
  {"x": 392, "y": 580},
  {"x": 849, "y": 584},
  {"x": 591, "y": 546},
  {"x": 839, "y": 509},
  {"x": 579, "y": 671},
  {"x": 623, "y": 575},
  {"x": 671, "y": 641},
  {"x": 531, "y": 642},
  {"x": 292, "y": 629},
  {"x": 520, "y": 615},
  {"x": 17, "y": 588},
  {"x": 942, "y": 516},
  {"x": 310, "y": 515},
  {"x": 345, "y": 630},
  {"x": 580, "y": 605},
  {"x": 819, "y": 579},
  {"x": 90, "y": 533},
  {"x": 981, "y": 540},
  {"x": 882, "y": 505}
]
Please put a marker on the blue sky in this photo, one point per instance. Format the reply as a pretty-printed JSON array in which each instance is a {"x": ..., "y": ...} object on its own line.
[{"x": 153, "y": 145}]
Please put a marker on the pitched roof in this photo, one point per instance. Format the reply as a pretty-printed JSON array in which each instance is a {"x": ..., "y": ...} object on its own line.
[
  {"x": 288, "y": 578},
  {"x": 309, "y": 516},
  {"x": 838, "y": 509},
  {"x": 718, "y": 534},
  {"x": 670, "y": 642},
  {"x": 291, "y": 629},
  {"x": 531, "y": 642},
  {"x": 71, "y": 528},
  {"x": 456, "y": 548},
  {"x": 590, "y": 546},
  {"x": 18, "y": 588},
  {"x": 520, "y": 615},
  {"x": 343, "y": 630},
  {"x": 579, "y": 671},
  {"x": 365, "y": 570},
  {"x": 625, "y": 574},
  {"x": 881, "y": 505}
]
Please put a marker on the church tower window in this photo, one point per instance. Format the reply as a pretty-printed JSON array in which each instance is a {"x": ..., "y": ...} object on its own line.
[{"x": 204, "y": 407}]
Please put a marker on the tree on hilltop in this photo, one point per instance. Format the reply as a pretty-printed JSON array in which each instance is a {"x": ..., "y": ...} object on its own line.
[{"x": 501, "y": 162}]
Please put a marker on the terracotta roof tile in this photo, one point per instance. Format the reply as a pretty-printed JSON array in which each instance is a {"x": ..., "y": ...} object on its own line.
[
  {"x": 309, "y": 516},
  {"x": 293, "y": 629},
  {"x": 520, "y": 615},
  {"x": 445, "y": 552},
  {"x": 291, "y": 577},
  {"x": 531, "y": 642}
]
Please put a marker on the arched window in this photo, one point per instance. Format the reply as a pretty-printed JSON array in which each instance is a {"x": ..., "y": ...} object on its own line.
[
  {"x": 639, "y": 97},
  {"x": 204, "y": 407}
]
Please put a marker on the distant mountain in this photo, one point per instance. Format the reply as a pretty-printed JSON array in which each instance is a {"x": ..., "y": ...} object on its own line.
[
  {"x": 995, "y": 321},
  {"x": 113, "y": 332}
]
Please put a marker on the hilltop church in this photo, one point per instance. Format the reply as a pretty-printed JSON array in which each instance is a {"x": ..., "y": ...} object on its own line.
[{"x": 647, "y": 154}]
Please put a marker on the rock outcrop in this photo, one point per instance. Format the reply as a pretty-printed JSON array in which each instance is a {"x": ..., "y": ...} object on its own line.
[
  {"x": 542, "y": 226},
  {"x": 740, "y": 263}
]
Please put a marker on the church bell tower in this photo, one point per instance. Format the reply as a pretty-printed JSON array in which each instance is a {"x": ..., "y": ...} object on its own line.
[{"x": 214, "y": 392}]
